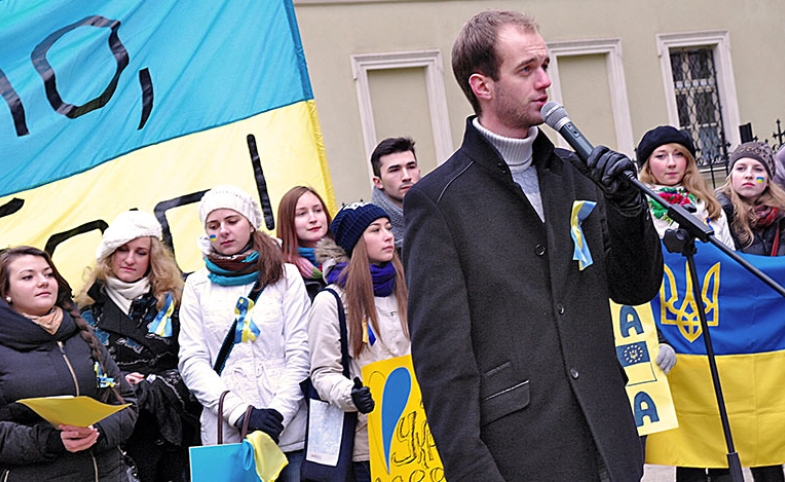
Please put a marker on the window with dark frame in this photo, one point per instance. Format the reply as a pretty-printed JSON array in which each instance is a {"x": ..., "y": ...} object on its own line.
[{"x": 698, "y": 102}]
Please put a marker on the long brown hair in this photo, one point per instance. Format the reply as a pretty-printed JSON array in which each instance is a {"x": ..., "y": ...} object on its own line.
[
  {"x": 270, "y": 262},
  {"x": 287, "y": 210},
  {"x": 63, "y": 301},
  {"x": 359, "y": 295},
  {"x": 692, "y": 181},
  {"x": 744, "y": 217},
  {"x": 164, "y": 274}
]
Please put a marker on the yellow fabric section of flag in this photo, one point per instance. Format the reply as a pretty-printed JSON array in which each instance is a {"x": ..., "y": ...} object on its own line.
[
  {"x": 753, "y": 391},
  {"x": 291, "y": 153}
]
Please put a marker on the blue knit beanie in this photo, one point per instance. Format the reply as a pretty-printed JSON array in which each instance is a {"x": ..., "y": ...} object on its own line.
[{"x": 352, "y": 220}]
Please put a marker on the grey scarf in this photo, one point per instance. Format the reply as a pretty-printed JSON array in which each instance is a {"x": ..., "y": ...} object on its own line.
[{"x": 379, "y": 198}]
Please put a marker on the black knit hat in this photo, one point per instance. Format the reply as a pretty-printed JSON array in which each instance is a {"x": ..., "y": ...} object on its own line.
[
  {"x": 756, "y": 150},
  {"x": 660, "y": 136},
  {"x": 352, "y": 220}
]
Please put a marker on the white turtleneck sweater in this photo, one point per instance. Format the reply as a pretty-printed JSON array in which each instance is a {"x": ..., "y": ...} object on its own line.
[{"x": 517, "y": 154}]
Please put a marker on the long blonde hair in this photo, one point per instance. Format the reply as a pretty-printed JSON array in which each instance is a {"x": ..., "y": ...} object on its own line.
[
  {"x": 165, "y": 277},
  {"x": 744, "y": 217},
  {"x": 692, "y": 181},
  {"x": 359, "y": 295}
]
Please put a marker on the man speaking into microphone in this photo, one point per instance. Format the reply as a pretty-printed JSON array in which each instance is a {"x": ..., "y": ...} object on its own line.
[{"x": 511, "y": 256}]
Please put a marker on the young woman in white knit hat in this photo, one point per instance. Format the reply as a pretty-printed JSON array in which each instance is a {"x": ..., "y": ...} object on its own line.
[
  {"x": 131, "y": 299},
  {"x": 243, "y": 331}
]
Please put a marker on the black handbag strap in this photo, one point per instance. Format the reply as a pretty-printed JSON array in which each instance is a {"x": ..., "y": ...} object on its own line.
[
  {"x": 246, "y": 419},
  {"x": 228, "y": 343},
  {"x": 344, "y": 338}
]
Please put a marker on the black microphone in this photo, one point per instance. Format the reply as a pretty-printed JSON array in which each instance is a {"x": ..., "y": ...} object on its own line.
[{"x": 556, "y": 116}]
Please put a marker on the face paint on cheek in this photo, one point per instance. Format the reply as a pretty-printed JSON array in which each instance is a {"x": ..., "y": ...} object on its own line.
[
  {"x": 760, "y": 180},
  {"x": 213, "y": 237}
]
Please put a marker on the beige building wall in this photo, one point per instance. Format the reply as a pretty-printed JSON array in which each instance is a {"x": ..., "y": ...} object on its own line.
[{"x": 608, "y": 70}]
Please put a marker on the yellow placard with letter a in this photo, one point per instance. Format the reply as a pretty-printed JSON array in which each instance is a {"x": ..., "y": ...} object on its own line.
[{"x": 637, "y": 348}]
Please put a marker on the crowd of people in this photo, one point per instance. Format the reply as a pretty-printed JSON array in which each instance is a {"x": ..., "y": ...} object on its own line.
[{"x": 504, "y": 313}]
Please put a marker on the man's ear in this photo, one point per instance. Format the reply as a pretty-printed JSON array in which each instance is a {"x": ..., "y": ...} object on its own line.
[
  {"x": 482, "y": 86},
  {"x": 377, "y": 181}
]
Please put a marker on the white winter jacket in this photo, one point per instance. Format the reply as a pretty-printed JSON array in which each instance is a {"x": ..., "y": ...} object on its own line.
[
  {"x": 327, "y": 372},
  {"x": 265, "y": 373}
]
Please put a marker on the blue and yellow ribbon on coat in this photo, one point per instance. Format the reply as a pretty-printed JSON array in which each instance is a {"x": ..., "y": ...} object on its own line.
[
  {"x": 581, "y": 253},
  {"x": 246, "y": 329},
  {"x": 162, "y": 324}
]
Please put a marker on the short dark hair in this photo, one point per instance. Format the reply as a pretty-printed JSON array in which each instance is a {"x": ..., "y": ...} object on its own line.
[
  {"x": 390, "y": 146},
  {"x": 474, "y": 49}
]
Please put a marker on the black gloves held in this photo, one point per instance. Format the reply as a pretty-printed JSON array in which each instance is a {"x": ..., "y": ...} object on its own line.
[
  {"x": 268, "y": 420},
  {"x": 606, "y": 168},
  {"x": 361, "y": 396}
]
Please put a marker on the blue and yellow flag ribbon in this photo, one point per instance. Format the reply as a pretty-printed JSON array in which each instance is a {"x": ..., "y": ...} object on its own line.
[
  {"x": 368, "y": 336},
  {"x": 581, "y": 253},
  {"x": 103, "y": 380},
  {"x": 246, "y": 329},
  {"x": 162, "y": 324}
]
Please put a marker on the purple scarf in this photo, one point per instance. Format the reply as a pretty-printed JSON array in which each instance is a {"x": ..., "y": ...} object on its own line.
[{"x": 383, "y": 277}]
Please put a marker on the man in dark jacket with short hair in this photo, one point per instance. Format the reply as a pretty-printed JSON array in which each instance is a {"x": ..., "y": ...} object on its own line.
[{"x": 511, "y": 255}]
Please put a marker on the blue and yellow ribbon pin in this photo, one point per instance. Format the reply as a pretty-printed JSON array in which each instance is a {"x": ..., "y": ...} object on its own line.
[
  {"x": 103, "y": 380},
  {"x": 581, "y": 253},
  {"x": 162, "y": 324},
  {"x": 246, "y": 329}
]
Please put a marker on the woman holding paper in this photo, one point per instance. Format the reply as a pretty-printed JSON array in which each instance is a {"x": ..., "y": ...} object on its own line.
[
  {"x": 48, "y": 350},
  {"x": 363, "y": 268},
  {"x": 243, "y": 329},
  {"x": 131, "y": 300}
]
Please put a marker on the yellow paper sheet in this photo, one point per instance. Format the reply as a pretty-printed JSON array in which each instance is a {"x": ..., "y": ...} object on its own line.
[{"x": 67, "y": 410}]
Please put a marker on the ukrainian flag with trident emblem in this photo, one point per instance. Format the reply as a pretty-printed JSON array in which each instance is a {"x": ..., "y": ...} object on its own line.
[{"x": 748, "y": 335}]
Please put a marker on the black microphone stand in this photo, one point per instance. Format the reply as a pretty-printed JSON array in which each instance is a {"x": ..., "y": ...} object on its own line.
[{"x": 682, "y": 240}]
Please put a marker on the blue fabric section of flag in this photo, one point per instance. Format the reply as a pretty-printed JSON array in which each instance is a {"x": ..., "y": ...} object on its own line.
[
  {"x": 632, "y": 353},
  {"x": 745, "y": 316},
  {"x": 208, "y": 64}
]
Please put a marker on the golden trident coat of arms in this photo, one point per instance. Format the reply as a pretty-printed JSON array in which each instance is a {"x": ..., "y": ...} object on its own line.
[{"x": 683, "y": 311}]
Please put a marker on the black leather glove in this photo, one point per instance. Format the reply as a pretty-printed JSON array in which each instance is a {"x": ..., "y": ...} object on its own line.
[
  {"x": 361, "y": 396},
  {"x": 268, "y": 420},
  {"x": 606, "y": 168}
]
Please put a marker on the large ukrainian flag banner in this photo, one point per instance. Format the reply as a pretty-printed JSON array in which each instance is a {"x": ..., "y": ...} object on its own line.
[
  {"x": 747, "y": 323},
  {"x": 113, "y": 105}
]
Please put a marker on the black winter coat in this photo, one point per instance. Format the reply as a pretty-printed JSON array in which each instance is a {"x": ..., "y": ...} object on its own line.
[
  {"x": 34, "y": 363},
  {"x": 512, "y": 344},
  {"x": 168, "y": 413}
]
